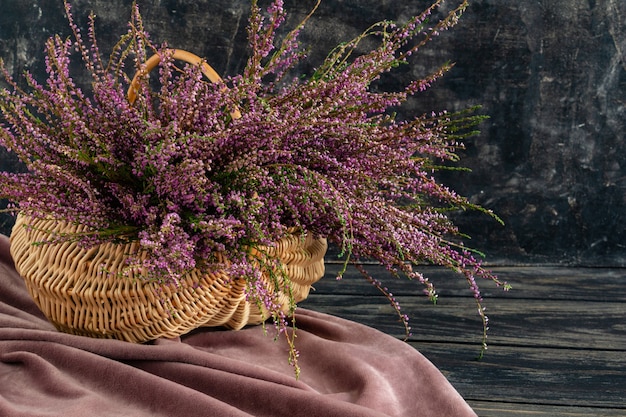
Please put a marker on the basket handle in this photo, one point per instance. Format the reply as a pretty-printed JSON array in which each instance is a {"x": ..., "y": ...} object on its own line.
[{"x": 182, "y": 55}]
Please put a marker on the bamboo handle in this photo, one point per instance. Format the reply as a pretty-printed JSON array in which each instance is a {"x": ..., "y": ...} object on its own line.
[{"x": 182, "y": 55}]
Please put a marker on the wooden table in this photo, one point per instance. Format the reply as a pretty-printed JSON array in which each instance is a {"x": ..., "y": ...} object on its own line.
[{"x": 557, "y": 340}]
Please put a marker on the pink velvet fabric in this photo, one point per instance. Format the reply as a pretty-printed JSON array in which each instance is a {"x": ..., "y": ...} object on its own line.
[{"x": 347, "y": 370}]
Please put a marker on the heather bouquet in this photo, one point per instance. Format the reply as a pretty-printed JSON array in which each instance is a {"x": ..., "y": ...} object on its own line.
[{"x": 191, "y": 168}]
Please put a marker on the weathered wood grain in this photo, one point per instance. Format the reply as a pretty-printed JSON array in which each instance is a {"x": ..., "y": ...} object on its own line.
[
  {"x": 504, "y": 409},
  {"x": 550, "y": 323},
  {"x": 539, "y": 376},
  {"x": 548, "y": 283}
]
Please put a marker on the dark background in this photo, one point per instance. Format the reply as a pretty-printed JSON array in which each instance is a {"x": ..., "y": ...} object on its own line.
[{"x": 550, "y": 74}]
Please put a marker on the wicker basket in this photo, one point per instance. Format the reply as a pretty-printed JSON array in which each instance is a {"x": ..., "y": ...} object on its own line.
[{"x": 68, "y": 284}]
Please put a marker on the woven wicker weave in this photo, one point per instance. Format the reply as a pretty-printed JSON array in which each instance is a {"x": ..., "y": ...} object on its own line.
[{"x": 68, "y": 284}]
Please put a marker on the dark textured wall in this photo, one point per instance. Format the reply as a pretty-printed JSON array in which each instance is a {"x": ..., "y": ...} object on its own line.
[{"x": 550, "y": 74}]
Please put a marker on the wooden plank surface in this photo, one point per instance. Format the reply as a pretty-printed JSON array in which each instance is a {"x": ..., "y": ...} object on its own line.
[
  {"x": 498, "y": 409},
  {"x": 545, "y": 283},
  {"x": 583, "y": 325},
  {"x": 557, "y": 342},
  {"x": 533, "y": 376}
]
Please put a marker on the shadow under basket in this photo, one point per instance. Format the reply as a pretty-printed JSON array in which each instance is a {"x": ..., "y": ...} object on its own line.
[{"x": 82, "y": 292}]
